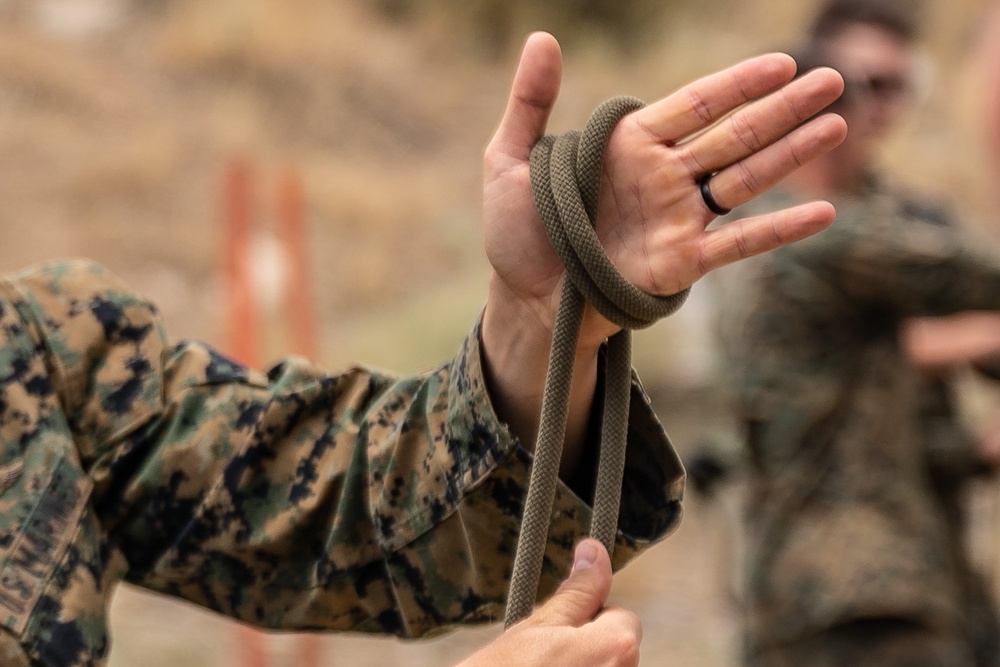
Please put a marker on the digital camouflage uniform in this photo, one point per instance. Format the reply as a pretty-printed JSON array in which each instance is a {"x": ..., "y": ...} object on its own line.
[
  {"x": 855, "y": 460},
  {"x": 296, "y": 500}
]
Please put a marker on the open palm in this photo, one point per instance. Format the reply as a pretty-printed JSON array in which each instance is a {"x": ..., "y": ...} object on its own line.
[{"x": 748, "y": 125}]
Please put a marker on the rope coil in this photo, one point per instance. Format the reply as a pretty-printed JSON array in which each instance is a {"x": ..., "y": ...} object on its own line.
[{"x": 565, "y": 181}]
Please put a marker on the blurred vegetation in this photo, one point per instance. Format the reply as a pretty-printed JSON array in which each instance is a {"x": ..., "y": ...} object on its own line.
[{"x": 498, "y": 26}]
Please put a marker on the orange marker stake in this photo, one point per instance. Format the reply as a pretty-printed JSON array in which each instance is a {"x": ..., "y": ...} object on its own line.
[{"x": 300, "y": 315}]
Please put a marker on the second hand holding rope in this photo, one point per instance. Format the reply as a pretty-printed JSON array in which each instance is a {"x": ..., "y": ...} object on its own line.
[{"x": 565, "y": 181}]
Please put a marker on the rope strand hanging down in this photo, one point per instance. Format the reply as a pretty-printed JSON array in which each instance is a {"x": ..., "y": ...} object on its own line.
[{"x": 565, "y": 180}]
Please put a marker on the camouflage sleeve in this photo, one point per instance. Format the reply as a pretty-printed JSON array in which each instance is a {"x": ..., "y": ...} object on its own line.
[
  {"x": 950, "y": 446},
  {"x": 905, "y": 264},
  {"x": 294, "y": 500}
]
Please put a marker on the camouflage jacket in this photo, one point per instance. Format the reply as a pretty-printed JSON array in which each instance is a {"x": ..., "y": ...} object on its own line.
[
  {"x": 295, "y": 500},
  {"x": 846, "y": 515}
]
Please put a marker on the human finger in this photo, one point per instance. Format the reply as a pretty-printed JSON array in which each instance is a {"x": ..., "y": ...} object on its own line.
[
  {"x": 751, "y": 236},
  {"x": 532, "y": 96},
  {"x": 584, "y": 592},
  {"x": 744, "y": 180},
  {"x": 703, "y": 102},
  {"x": 762, "y": 122},
  {"x": 615, "y": 635},
  {"x": 987, "y": 450}
]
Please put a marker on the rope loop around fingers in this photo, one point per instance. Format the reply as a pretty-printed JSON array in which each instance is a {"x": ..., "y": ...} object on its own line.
[{"x": 565, "y": 181}]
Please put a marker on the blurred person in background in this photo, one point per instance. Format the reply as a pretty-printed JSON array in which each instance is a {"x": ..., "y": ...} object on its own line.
[
  {"x": 301, "y": 500},
  {"x": 854, "y": 520},
  {"x": 853, "y": 526}
]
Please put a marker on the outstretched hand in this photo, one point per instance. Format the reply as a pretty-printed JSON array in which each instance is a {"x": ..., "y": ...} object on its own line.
[
  {"x": 573, "y": 628},
  {"x": 651, "y": 217},
  {"x": 748, "y": 127}
]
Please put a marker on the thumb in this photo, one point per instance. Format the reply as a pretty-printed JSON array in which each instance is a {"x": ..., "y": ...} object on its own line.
[
  {"x": 532, "y": 96},
  {"x": 585, "y": 591}
]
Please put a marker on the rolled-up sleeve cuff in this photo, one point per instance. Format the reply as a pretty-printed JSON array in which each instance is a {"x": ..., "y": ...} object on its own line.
[{"x": 653, "y": 483}]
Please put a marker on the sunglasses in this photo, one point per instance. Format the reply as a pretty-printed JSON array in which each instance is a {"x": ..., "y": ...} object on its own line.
[{"x": 886, "y": 86}]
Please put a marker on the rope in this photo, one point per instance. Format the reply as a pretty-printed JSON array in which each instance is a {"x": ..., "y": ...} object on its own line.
[{"x": 565, "y": 180}]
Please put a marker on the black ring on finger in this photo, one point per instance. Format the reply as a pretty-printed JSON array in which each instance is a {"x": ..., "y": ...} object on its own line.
[{"x": 706, "y": 195}]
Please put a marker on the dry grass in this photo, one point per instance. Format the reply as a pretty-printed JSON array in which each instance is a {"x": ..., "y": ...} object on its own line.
[{"x": 114, "y": 139}]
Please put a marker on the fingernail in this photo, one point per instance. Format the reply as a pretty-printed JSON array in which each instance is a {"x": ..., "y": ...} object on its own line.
[{"x": 585, "y": 556}]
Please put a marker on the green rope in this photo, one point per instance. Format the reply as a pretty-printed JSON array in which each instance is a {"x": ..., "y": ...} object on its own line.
[{"x": 565, "y": 180}]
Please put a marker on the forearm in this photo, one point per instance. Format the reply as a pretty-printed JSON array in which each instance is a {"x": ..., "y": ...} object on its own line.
[
  {"x": 298, "y": 488},
  {"x": 316, "y": 500},
  {"x": 939, "y": 344},
  {"x": 907, "y": 266},
  {"x": 516, "y": 344},
  {"x": 338, "y": 524}
]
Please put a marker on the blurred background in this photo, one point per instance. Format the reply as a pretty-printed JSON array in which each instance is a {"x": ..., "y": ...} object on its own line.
[{"x": 121, "y": 119}]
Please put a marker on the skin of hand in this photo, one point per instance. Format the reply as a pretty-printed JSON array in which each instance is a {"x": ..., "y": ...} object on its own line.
[
  {"x": 573, "y": 627},
  {"x": 940, "y": 344},
  {"x": 987, "y": 451},
  {"x": 747, "y": 125}
]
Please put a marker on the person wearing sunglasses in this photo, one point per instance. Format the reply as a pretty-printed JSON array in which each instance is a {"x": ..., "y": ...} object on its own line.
[{"x": 856, "y": 459}]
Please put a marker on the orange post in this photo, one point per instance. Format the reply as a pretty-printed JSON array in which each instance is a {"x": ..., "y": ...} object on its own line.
[
  {"x": 300, "y": 316},
  {"x": 241, "y": 323},
  {"x": 242, "y": 336},
  {"x": 242, "y": 326}
]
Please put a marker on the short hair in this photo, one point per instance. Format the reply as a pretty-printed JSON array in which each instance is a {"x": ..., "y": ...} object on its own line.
[{"x": 897, "y": 17}]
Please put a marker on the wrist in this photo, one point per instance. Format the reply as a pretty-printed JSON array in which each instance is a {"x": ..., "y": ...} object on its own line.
[{"x": 516, "y": 336}]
